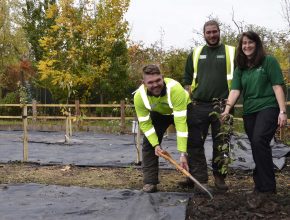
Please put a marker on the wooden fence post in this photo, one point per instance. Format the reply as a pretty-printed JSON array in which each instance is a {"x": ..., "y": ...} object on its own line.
[
  {"x": 66, "y": 136},
  {"x": 123, "y": 126},
  {"x": 34, "y": 110},
  {"x": 77, "y": 108},
  {"x": 69, "y": 123},
  {"x": 25, "y": 134},
  {"x": 77, "y": 112},
  {"x": 138, "y": 144}
]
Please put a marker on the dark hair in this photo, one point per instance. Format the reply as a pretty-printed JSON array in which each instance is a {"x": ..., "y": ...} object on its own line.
[
  {"x": 259, "y": 54},
  {"x": 211, "y": 22},
  {"x": 151, "y": 69}
]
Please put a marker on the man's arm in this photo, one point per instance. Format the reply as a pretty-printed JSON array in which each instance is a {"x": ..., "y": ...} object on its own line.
[
  {"x": 188, "y": 73},
  {"x": 145, "y": 121},
  {"x": 180, "y": 100}
]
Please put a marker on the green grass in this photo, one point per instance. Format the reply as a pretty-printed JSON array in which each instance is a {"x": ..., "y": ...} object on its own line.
[{"x": 10, "y": 122}]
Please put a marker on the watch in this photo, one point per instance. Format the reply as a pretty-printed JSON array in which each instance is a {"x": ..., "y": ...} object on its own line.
[{"x": 283, "y": 112}]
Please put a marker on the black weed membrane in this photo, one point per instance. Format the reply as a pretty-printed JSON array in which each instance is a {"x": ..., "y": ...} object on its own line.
[
  {"x": 93, "y": 149},
  {"x": 36, "y": 201}
]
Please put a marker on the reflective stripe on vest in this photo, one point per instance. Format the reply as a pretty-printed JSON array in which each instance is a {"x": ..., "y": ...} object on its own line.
[
  {"x": 168, "y": 88},
  {"x": 145, "y": 99},
  {"x": 196, "y": 54},
  {"x": 230, "y": 56},
  {"x": 145, "y": 118},
  {"x": 149, "y": 132}
]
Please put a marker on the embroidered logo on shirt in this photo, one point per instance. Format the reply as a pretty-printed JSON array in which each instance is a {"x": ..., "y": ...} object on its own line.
[
  {"x": 220, "y": 56},
  {"x": 260, "y": 70}
]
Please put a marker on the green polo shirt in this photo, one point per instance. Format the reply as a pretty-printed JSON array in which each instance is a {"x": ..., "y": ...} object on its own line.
[
  {"x": 256, "y": 85},
  {"x": 211, "y": 76}
]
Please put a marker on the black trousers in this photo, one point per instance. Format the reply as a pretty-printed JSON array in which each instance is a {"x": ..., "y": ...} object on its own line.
[
  {"x": 198, "y": 120},
  {"x": 260, "y": 128},
  {"x": 149, "y": 159}
]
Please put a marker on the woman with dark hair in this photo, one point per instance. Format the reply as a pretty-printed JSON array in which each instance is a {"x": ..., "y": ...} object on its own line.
[{"x": 259, "y": 78}]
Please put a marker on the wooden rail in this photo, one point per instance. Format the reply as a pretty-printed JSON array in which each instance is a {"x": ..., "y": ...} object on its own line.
[
  {"x": 68, "y": 118},
  {"x": 77, "y": 106}
]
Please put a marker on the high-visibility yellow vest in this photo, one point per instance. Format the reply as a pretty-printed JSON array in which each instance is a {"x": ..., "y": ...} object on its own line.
[
  {"x": 174, "y": 102},
  {"x": 230, "y": 57}
]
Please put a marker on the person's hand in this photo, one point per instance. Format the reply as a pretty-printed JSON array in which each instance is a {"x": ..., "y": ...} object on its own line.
[
  {"x": 183, "y": 161},
  {"x": 224, "y": 115},
  {"x": 158, "y": 150},
  {"x": 282, "y": 119}
]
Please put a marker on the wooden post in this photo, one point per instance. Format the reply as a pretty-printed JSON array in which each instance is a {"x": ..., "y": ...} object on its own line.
[
  {"x": 77, "y": 112},
  {"x": 122, "y": 116},
  {"x": 138, "y": 140},
  {"x": 69, "y": 123},
  {"x": 25, "y": 134},
  {"x": 34, "y": 110},
  {"x": 77, "y": 108},
  {"x": 66, "y": 136}
]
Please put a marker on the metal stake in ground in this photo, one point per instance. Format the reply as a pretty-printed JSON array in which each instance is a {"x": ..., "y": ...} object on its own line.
[{"x": 168, "y": 157}]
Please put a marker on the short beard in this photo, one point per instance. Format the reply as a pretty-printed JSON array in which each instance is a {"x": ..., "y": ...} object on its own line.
[{"x": 213, "y": 45}]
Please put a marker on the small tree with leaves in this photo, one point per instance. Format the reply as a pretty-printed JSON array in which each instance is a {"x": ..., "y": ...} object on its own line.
[{"x": 225, "y": 157}]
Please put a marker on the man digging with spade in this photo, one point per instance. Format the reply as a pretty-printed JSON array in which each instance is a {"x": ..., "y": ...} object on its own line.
[{"x": 160, "y": 102}]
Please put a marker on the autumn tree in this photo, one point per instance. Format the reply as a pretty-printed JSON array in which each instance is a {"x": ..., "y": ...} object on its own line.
[
  {"x": 78, "y": 49},
  {"x": 36, "y": 24},
  {"x": 170, "y": 61},
  {"x": 174, "y": 63},
  {"x": 13, "y": 43},
  {"x": 116, "y": 82},
  {"x": 112, "y": 51}
]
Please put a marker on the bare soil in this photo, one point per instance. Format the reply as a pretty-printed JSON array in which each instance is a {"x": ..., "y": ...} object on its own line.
[
  {"x": 234, "y": 204},
  {"x": 230, "y": 205}
]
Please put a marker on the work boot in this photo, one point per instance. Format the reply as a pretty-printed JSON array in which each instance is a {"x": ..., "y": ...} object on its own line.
[
  {"x": 256, "y": 199},
  {"x": 149, "y": 188},
  {"x": 220, "y": 184},
  {"x": 186, "y": 184}
]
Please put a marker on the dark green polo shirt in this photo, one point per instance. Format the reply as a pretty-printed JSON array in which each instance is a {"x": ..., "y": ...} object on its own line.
[
  {"x": 211, "y": 75},
  {"x": 256, "y": 85}
]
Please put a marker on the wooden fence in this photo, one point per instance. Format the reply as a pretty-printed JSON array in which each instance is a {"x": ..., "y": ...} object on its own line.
[
  {"x": 67, "y": 114},
  {"x": 68, "y": 117},
  {"x": 76, "y": 109}
]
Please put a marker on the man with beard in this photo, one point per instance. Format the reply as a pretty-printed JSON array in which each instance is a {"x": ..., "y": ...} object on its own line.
[
  {"x": 160, "y": 102},
  {"x": 208, "y": 71}
]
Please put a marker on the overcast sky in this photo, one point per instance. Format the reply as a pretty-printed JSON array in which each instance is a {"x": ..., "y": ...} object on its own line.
[{"x": 178, "y": 18}]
